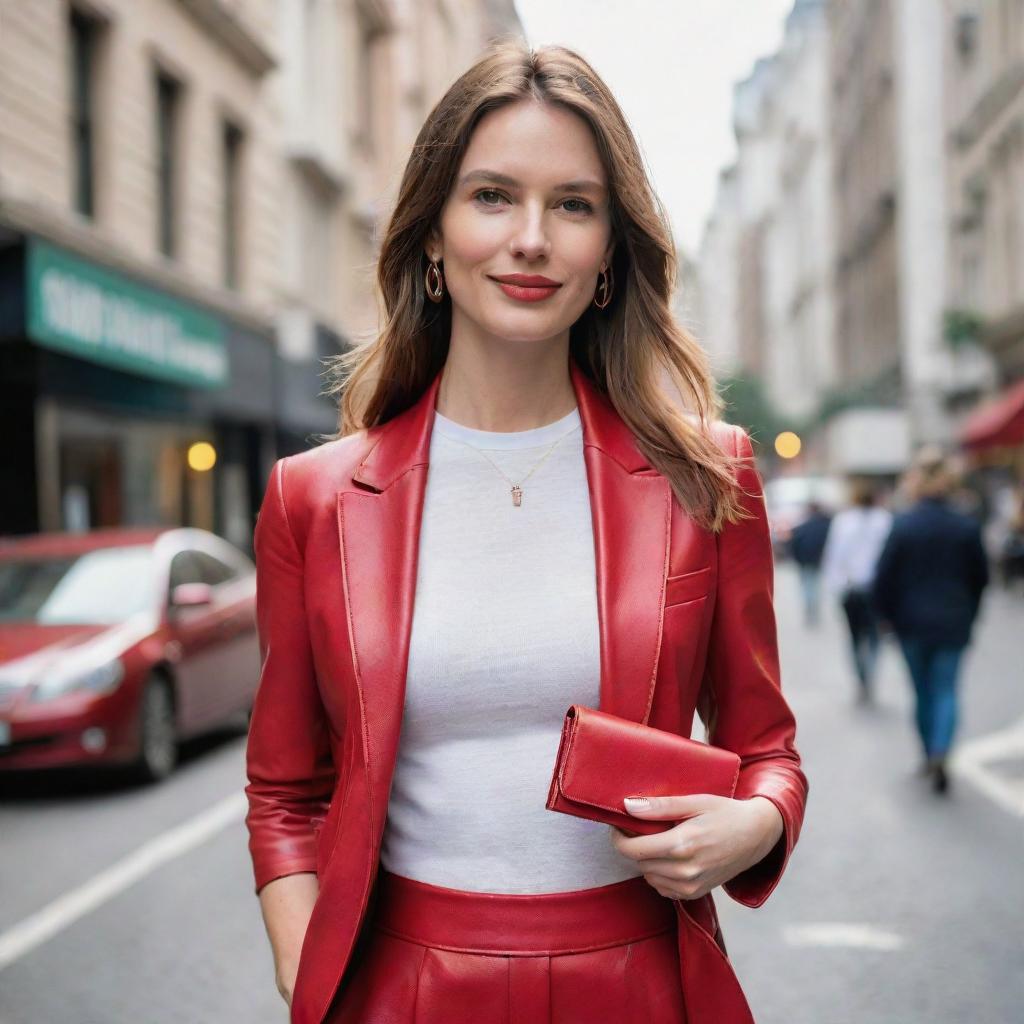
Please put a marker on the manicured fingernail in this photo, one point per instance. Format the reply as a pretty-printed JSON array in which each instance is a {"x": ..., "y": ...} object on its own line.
[{"x": 637, "y": 801}]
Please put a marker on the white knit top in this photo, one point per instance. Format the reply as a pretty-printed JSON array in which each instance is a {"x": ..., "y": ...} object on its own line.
[{"x": 504, "y": 638}]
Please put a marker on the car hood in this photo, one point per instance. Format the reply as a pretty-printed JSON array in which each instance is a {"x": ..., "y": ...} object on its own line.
[
  {"x": 29, "y": 651},
  {"x": 18, "y": 640}
]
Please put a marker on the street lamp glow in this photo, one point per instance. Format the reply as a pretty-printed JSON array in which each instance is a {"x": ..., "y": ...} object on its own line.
[
  {"x": 787, "y": 445},
  {"x": 202, "y": 456}
]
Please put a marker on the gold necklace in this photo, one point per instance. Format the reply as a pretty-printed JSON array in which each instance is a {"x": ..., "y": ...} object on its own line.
[{"x": 517, "y": 488}]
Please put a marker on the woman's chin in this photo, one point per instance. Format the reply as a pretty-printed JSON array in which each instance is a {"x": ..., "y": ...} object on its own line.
[{"x": 525, "y": 330}]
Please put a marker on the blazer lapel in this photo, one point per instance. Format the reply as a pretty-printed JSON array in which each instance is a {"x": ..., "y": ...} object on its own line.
[
  {"x": 378, "y": 527},
  {"x": 631, "y": 511},
  {"x": 379, "y": 518}
]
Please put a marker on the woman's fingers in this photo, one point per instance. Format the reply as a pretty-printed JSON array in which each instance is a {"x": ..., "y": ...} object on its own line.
[{"x": 675, "y": 842}]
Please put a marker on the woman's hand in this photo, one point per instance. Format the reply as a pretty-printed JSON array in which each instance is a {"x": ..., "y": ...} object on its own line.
[
  {"x": 720, "y": 838},
  {"x": 287, "y": 903},
  {"x": 286, "y": 982}
]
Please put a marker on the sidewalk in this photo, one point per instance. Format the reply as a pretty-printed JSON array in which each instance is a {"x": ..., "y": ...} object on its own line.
[{"x": 898, "y": 906}]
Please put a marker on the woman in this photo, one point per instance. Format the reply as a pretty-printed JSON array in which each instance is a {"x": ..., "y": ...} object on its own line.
[
  {"x": 515, "y": 518},
  {"x": 928, "y": 586},
  {"x": 854, "y": 543}
]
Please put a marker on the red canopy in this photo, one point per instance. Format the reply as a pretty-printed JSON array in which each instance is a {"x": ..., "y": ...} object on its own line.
[{"x": 997, "y": 423}]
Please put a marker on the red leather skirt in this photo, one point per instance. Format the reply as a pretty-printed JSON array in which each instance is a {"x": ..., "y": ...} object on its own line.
[{"x": 446, "y": 956}]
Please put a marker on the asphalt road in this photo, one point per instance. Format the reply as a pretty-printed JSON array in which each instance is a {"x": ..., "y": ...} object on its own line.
[
  {"x": 898, "y": 906},
  {"x": 124, "y": 905}
]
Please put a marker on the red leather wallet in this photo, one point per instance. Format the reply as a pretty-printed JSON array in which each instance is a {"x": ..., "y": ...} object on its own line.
[{"x": 603, "y": 758}]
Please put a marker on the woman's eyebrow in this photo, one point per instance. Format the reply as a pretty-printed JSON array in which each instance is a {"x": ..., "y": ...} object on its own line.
[{"x": 497, "y": 178}]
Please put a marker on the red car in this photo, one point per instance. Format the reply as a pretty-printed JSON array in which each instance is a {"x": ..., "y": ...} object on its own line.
[{"x": 116, "y": 644}]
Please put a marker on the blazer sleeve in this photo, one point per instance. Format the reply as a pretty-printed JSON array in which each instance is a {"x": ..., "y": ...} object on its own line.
[
  {"x": 289, "y": 763},
  {"x": 742, "y": 702}
]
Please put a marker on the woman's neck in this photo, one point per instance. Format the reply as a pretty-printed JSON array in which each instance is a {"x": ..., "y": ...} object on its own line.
[{"x": 503, "y": 390}]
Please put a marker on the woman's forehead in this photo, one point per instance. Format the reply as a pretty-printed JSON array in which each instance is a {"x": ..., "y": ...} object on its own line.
[{"x": 533, "y": 144}]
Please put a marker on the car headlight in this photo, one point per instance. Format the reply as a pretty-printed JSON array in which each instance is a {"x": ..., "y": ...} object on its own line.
[{"x": 96, "y": 679}]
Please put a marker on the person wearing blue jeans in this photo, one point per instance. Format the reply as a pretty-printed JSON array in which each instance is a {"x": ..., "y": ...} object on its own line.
[
  {"x": 928, "y": 586},
  {"x": 933, "y": 670}
]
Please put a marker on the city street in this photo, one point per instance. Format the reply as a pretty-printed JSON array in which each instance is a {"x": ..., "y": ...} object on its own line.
[{"x": 126, "y": 905}]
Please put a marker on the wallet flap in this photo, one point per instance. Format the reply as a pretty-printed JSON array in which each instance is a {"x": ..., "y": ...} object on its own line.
[{"x": 606, "y": 758}]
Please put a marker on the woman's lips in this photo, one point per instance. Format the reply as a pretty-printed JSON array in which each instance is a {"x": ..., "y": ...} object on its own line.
[{"x": 527, "y": 293}]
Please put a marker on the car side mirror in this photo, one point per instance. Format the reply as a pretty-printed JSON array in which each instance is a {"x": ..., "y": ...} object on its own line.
[{"x": 191, "y": 595}]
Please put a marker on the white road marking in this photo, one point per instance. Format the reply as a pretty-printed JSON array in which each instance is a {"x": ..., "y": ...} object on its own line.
[
  {"x": 41, "y": 926},
  {"x": 842, "y": 935},
  {"x": 972, "y": 760}
]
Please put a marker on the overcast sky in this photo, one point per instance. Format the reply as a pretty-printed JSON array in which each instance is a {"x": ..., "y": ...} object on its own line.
[{"x": 671, "y": 65}]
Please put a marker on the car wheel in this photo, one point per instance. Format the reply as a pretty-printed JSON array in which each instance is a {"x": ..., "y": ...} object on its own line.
[{"x": 158, "y": 745}]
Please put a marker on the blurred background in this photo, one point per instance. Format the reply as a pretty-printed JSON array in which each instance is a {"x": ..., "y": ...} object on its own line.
[{"x": 191, "y": 197}]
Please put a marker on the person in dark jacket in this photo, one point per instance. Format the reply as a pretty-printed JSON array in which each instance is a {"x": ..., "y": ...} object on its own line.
[
  {"x": 928, "y": 587},
  {"x": 806, "y": 545}
]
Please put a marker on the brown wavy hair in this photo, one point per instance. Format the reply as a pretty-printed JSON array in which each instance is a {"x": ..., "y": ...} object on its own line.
[{"x": 634, "y": 351}]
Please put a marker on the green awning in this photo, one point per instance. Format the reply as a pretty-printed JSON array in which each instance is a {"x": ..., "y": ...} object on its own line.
[{"x": 88, "y": 311}]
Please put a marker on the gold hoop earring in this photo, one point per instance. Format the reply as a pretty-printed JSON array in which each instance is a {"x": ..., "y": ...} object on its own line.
[
  {"x": 434, "y": 282},
  {"x": 605, "y": 287}
]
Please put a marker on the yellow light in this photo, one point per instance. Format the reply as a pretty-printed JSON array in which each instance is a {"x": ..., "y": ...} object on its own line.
[
  {"x": 202, "y": 456},
  {"x": 787, "y": 445}
]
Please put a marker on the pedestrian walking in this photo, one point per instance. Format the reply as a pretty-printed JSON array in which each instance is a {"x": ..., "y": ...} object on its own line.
[
  {"x": 928, "y": 586},
  {"x": 807, "y": 547},
  {"x": 516, "y": 520},
  {"x": 1010, "y": 546},
  {"x": 854, "y": 542}
]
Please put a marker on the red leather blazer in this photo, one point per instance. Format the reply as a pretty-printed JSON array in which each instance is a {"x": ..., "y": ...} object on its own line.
[{"x": 686, "y": 621}]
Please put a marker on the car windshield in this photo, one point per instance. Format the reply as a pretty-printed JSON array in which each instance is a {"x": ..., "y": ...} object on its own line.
[{"x": 101, "y": 587}]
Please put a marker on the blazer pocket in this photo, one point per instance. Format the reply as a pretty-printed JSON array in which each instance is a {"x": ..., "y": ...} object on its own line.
[{"x": 687, "y": 586}]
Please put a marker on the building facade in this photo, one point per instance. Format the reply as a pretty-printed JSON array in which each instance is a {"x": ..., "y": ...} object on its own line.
[
  {"x": 985, "y": 117},
  {"x": 985, "y": 106},
  {"x": 191, "y": 194},
  {"x": 137, "y": 281},
  {"x": 800, "y": 257},
  {"x": 767, "y": 255},
  {"x": 718, "y": 283},
  {"x": 865, "y": 189},
  {"x": 357, "y": 78},
  {"x": 893, "y": 203}
]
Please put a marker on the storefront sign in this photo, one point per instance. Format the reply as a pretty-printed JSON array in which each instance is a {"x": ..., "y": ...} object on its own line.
[{"x": 86, "y": 311}]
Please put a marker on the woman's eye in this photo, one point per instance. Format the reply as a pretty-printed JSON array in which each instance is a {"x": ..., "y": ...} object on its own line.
[
  {"x": 487, "y": 196},
  {"x": 582, "y": 206}
]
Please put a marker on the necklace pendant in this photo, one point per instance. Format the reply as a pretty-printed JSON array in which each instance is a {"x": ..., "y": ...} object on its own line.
[{"x": 517, "y": 495}]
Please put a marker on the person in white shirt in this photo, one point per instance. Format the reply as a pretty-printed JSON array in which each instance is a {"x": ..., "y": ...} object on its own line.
[{"x": 855, "y": 540}]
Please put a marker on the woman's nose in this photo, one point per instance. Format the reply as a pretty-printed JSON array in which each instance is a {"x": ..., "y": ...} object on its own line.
[{"x": 529, "y": 238}]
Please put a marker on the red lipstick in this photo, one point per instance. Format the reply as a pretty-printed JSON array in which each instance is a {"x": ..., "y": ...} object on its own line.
[{"x": 527, "y": 287}]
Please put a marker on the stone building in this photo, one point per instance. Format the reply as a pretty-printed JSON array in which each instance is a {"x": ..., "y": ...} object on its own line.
[
  {"x": 348, "y": 127},
  {"x": 799, "y": 299},
  {"x": 190, "y": 198},
  {"x": 985, "y": 110},
  {"x": 866, "y": 188},
  {"x": 140, "y": 228},
  {"x": 835, "y": 223},
  {"x": 890, "y": 180},
  {"x": 767, "y": 253},
  {"x": 718, "y": 282}
]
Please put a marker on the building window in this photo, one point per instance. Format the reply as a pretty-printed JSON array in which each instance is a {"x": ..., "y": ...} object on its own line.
[
  {"x": 232, "y": 141},
  {"x": 966, "y": 35},
  {"x": 168, "y": 103},
  {"x": 83, "y": 33},
  {"x": 366, "y": 82}
]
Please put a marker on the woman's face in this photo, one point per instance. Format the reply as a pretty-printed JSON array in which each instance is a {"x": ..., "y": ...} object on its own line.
[{"x": 531, "y": 199}]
